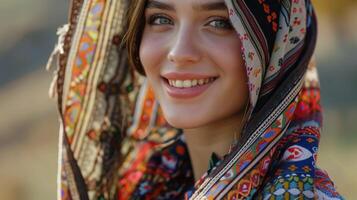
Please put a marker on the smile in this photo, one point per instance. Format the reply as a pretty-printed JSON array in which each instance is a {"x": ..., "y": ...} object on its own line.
[
  {"x": 189, "y": 83},
  {"x": 185, "y": 86}
]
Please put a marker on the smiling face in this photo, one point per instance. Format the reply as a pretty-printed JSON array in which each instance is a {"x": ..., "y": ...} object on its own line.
[{"x": 192, "y": 59}]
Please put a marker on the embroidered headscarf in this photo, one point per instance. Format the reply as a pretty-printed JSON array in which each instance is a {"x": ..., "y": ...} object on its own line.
[{"x": 112, "y": 126}]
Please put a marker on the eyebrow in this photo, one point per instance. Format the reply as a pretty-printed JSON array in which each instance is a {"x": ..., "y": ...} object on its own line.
[{"x": 202, "y": 7}]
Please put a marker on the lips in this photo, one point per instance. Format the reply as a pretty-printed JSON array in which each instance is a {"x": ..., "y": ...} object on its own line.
[
  {"x": 186, "y": 76},
  {"x": 187, "y": 85}
]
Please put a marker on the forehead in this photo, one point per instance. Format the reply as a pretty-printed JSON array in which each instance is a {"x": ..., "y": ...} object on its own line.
[{"x": 194, "y": 4}]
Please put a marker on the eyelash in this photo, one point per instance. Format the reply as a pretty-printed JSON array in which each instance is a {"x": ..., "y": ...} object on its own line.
[
  {"x": 152, "y": 19},
  {"x": 226, "y": 26}
]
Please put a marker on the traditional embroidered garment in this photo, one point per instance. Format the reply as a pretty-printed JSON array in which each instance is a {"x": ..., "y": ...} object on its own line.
[{"x": 116, "y": 144}]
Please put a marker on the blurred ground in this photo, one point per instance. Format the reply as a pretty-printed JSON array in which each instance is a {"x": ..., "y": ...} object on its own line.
[
  {"x": 28, "y": 121},
  {"x": 28, "y": 140}
]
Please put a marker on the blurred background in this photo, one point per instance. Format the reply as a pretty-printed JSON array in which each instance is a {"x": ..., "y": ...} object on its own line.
[{"x": 28, "y": 120}]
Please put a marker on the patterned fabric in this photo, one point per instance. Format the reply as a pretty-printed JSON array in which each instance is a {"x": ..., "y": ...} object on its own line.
[{"x": 116, "y": 144}]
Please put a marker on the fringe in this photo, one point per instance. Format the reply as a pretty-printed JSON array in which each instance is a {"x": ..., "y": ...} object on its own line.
[{"x": 53, "y": 59}]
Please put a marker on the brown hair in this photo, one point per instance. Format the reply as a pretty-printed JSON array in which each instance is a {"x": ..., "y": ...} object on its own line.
[{"x": 135, "y": 24}]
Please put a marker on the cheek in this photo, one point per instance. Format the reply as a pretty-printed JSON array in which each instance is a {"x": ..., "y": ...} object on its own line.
[
  {"x": 152, "y": 52},
  {"x": 152, "y": 57},
  {"x": 234, "y": 77},
  {"x": 147, "y": 55},
  {"x": 225, "y": 52}
]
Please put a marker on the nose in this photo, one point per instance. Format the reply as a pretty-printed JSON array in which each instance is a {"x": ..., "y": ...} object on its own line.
[{"x": 184, "y": 49}]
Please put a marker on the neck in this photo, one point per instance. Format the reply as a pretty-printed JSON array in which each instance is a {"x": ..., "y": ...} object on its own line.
[{"x": 215, "y": 137}]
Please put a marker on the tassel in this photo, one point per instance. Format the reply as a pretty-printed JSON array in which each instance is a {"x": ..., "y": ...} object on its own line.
[
  {"x": 53, "y": 59},
  {"x": 53, "y": 89},
  {"x": 61, "y": 32}
]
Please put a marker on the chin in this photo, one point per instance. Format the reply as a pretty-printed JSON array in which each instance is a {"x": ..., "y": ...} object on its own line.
[
  {"x": 183, "y": 124},
  {"x": 185, "y": 121}
]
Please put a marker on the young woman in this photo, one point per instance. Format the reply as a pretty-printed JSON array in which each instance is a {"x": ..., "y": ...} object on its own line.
[{"x": 189, "y": 99}]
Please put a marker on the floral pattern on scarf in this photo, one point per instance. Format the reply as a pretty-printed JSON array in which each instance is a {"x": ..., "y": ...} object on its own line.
[{"x": 116, "y": 144}]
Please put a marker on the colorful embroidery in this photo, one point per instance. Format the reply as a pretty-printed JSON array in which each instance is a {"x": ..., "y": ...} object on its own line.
[{"x": 276, "y": 161}]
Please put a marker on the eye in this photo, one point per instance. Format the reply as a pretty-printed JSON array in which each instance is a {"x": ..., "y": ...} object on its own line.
[
  {"x": 159, "y": 20},
  {"x": 220, "y": 24}
]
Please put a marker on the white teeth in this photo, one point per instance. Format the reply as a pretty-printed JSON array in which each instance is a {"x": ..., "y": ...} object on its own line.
[
  {"x": 189, "y": 83},
  {"x": 178, "y": 83}
]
